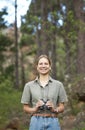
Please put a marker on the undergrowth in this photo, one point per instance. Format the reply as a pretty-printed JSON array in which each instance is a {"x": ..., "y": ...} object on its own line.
[{"x": 10, "y": 105}]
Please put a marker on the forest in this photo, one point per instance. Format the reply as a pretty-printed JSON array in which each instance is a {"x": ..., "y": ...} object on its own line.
[{"x": 55, "y": 28}]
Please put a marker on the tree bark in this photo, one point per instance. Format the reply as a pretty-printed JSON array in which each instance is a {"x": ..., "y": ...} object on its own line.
[{"x": 80, "y": 15}]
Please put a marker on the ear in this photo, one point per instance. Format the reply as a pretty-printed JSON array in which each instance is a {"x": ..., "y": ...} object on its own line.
[{"x": 50, "y": 68}]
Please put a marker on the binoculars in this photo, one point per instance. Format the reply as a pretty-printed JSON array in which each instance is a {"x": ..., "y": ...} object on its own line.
[{"x": 44, "y": 107}]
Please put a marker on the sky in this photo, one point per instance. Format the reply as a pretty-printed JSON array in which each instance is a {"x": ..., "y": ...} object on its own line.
[{"x": 22, "y": 7}]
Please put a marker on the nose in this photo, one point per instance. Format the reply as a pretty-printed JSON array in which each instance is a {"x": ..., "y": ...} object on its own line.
[{"x": 43, "y": 65}]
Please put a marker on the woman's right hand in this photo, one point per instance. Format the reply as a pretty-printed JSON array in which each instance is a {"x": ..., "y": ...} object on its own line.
[{"x": 38, "y": 104}]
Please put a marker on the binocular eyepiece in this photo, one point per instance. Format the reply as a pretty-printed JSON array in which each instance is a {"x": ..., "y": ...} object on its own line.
[{"x": 44, "y": 106}]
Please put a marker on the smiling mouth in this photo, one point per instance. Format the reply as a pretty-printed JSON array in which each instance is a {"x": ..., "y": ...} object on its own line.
[{"x": 44, "y": 69}]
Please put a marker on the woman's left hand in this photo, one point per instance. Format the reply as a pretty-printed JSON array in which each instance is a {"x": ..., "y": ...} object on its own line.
[{"x": 50, "y": 105}]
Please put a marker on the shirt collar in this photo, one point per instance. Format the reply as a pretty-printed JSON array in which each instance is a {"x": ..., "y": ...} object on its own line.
[{"x": 50, "y": 79}]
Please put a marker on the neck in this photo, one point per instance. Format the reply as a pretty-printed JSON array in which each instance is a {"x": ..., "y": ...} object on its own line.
[
  {"x": 43, "y": 80},
  {"x": 44, "y": 77}
]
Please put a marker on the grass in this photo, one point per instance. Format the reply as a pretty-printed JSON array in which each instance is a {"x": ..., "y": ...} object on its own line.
[{"x": 10, "y": 105}]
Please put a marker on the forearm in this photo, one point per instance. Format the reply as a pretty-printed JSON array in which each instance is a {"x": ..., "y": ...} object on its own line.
[
  {"x": 29, "y": 109},
  {"x": 60, "y": 108}
]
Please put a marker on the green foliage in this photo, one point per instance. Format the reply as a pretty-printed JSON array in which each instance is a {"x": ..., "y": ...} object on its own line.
[
  {"x": 4, "y": 42},
  {"x": 26, "y": 40},
  {"x": 6, "y": 84},
  {"x": 80, "y": 126},
  {"x": 2, "y": 21},
  {"x": 9, "y": 71},
  {"x": 10, "y": 105},
  {"x": 42, "y": 22}
]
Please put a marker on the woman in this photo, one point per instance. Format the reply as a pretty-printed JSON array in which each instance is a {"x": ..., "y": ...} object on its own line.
[{"x": 44, "y": 98}]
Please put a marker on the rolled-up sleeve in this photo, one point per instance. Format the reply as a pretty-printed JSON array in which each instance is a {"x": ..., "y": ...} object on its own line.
[
  {"x": 62, "y": 94},
  {"x": 25, "y": 99}
]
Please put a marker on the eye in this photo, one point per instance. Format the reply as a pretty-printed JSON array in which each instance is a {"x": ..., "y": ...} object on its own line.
[
  {"x": 46, "y": 63},
  {"x": 40, "y": 63}
]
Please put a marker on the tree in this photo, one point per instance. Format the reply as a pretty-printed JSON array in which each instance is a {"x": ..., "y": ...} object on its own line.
[
  {"x": 16, "y": 50},
  {"x": 80, "y": 16},
  {"x": 2, "y": 21},
  {"x": 5, "y": 43},
  {"x": 42, "y": 21}
]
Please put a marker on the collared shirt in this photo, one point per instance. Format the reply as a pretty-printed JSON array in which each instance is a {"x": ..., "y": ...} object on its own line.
[{"x": 33, "y": 91}]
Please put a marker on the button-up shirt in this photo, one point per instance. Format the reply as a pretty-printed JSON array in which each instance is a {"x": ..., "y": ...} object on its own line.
[{"x": 54, "y": 91}]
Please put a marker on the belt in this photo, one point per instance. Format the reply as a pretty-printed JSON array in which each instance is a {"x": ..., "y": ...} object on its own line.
[{"x": 44, "y": 115}]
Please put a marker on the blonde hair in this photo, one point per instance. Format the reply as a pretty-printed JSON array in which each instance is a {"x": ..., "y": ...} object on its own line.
[{"x": 43, "y": 56}]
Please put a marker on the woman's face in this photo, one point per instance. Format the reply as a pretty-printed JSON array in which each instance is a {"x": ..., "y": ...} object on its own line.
[{"x": 43, "y": 66}]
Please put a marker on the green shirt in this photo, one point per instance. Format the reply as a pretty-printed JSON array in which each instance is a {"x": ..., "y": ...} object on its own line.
[{"x": 33, "y": 91}]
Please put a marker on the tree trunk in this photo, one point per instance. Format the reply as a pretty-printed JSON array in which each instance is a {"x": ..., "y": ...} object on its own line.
[
  {"x": 54, "y": 58},
  {"x": 80, "y": 15},
  {"x": 44, "y": 27},
  {"x": 16, "y": 51},
  {"x": 68, "y": 62},
  {"x": 22, "y": 70}
]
